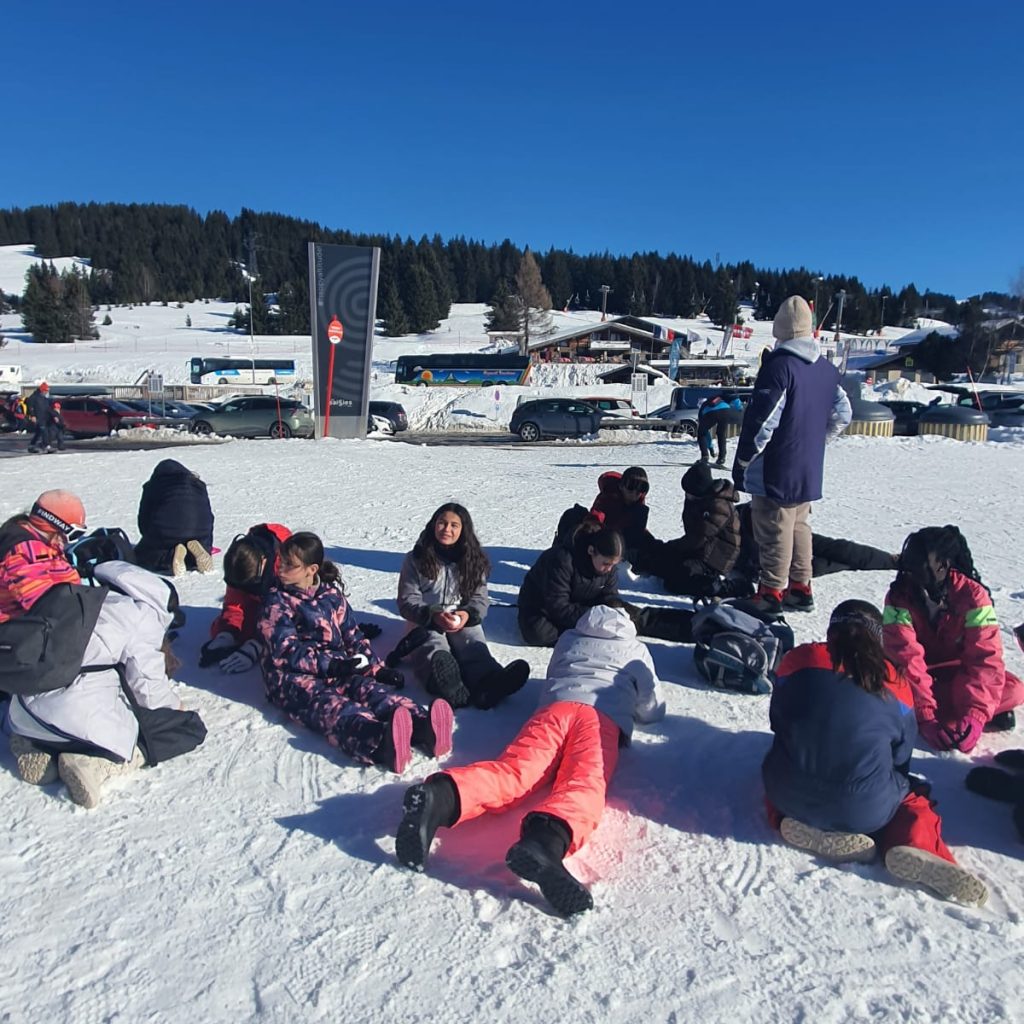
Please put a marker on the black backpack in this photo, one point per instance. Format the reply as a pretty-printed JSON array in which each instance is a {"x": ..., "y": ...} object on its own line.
[
  {"x": 42, "y": 649},
  {"x": 104, "y": 544},
  {"x": 736, "y": 650}
]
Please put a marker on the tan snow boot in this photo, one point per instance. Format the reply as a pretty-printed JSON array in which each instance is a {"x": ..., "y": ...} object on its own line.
[{"x": 36, "y": 767}]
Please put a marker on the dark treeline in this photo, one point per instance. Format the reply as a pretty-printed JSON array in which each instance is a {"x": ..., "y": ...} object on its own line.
[{"x": 142, "y": 253}]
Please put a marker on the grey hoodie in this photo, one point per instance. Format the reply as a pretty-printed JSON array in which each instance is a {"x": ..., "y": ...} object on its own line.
[{"x": 601, "y": 663}]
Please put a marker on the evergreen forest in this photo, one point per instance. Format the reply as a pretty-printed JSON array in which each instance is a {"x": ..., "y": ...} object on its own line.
[{"x": 150, "y": 252}]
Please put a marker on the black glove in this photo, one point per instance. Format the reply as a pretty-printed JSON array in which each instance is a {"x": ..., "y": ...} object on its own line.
[
  {"x": 212, "y": 653},
  {"x": 342, "y": 668},
  {"x": 369, "y": 629},
  {"x": 391, "y": 677}
]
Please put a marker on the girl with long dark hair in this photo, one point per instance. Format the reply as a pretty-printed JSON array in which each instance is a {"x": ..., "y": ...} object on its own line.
[
  {"x": 321, "y": 670},
  {"x": 442, "y": 591},
  {"x": 837, "y": 776},
  {"x": 576, "y": 573}
]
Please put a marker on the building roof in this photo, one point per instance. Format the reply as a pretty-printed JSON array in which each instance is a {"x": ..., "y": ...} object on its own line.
[{"x": 632, "y": 326}]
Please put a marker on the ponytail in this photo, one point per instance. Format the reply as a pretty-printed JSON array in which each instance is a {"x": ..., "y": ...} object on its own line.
[{"x": 854, "y": 642}]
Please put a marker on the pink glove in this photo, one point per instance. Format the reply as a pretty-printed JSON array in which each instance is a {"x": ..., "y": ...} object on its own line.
[
  {"x": 964, "y": 735},
  {"x": 933, "y": 734}
]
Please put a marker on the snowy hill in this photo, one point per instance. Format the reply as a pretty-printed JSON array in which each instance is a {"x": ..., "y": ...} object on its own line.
[{"x": 255, "y": 879}]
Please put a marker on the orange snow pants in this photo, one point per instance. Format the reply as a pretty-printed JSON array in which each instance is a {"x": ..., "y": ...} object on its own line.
[{"x": 573, "y": 746}]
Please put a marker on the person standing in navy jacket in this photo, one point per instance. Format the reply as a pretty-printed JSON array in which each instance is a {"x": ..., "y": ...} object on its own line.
[
  {"x": 837, "y": 776},
  {"x": 797, "y": 404}
]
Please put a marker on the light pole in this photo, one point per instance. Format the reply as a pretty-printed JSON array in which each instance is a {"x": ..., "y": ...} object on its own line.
[
  {"x": 817, "y": 281},
  {"x": 881, "y": 326},
  {"x": 252, "y": 339}
]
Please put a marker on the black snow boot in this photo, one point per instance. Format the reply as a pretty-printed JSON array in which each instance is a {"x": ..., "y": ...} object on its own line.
[
  {"x": 538, "y": 856},
  {"x": 446, "y": 679},
  {"x": 501, "y": 683},
  {"x": 407, "y": 645},
  {"x": 428, "y": 806}
]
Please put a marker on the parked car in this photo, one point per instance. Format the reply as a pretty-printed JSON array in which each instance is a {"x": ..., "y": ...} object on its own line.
[
  {"x": 555, "y": 417},
  {"x": 172, "y": 408},
  {"x": 379, "y": 425},
  {"x": 907, "y": 414},
  {"x": 85, "y": 416},
  {"x": 1009, "y": 412},
  {"x": 613, "y": 406},
  {"x": 391, "y": 411},
  {"x": 255, "y": 416},
  {"x": 686, "y": 401},
  {"x": 989, "y": 399},
  {"x": 155, "y": 411}
]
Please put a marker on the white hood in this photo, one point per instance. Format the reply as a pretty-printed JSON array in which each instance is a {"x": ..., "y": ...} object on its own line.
[
  {"x": 140, "y": 585},
  {"x": 606, "y": 623}
]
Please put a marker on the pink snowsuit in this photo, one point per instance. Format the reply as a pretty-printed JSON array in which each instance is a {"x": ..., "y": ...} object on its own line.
[{"x": 955, "y": 664}]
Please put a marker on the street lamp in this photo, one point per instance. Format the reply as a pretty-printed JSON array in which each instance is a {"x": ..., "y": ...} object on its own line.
[
  {"x": 881, "y": 326},
  {"x": 817, "y": 281}
]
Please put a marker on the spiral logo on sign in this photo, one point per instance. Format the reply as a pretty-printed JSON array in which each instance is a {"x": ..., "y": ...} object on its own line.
[{"x": 344, "y": 292}]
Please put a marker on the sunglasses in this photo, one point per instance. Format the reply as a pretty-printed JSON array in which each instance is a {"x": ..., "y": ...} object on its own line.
[
  {"x": 75, "y": 533},
  {"x": 637, "y": 487}
]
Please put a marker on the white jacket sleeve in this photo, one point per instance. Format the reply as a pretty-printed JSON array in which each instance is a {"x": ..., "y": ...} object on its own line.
[
  {"x": 650, "y": 704},
  {"x": 144, "y": 666}
]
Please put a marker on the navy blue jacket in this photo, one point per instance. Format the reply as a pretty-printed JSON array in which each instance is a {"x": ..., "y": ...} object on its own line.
[
  {"x": 797, "y": 403},
  {"x": 175, "y": 508},
  {"x": 840, "y": 755}
]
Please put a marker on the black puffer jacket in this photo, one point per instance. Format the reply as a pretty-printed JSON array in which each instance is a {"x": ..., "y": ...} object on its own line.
[
  {"x": 711, "y": 528},
  {"x": 559, "y": 588},
  {"x": 175, "y": 508}
]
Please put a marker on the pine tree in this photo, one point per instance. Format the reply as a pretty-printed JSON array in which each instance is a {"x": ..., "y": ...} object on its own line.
[
  {"x": 422, "y": 307},
  {"x": 506, "y": 310},
  {"x": 535, "y": 300},
  {"x": 722, "y": 308},
  {"x": 391, "y": 312},
  {"x": 77, "y": 306}
]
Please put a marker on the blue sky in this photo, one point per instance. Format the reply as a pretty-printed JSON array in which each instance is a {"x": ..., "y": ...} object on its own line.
[{"x": 881, "y": 140}]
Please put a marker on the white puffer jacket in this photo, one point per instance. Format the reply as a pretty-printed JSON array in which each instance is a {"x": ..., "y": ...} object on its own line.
[
  {"x": 601, "y": 663},
  {"x": 93, "y": 709}
]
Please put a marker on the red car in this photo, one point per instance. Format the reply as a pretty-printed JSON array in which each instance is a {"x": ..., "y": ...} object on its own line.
[{"x": 87, "y": 417}]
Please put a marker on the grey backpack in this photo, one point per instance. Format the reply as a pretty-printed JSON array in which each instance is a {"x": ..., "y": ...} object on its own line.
[{"x": 736, "y": 650}]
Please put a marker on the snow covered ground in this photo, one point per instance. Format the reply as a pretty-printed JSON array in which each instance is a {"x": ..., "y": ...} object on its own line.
[{"x": 254, "y": 879}]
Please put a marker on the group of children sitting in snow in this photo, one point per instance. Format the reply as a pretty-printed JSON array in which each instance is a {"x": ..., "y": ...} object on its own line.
[{"x": 845, "y": 712}]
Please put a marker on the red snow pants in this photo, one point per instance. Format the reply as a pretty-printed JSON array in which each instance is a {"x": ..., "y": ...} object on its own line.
[
  {"x": 573, "y": 746},
  {"x": 915, "y": 823}
]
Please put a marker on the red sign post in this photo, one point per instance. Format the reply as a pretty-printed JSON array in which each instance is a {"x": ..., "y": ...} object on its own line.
[{"x": 335, "y": 332}]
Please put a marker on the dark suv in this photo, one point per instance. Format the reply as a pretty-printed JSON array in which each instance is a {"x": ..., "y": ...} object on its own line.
[
  {"x": 555, "y": 417},
  {"x": 392, "y": 412}
]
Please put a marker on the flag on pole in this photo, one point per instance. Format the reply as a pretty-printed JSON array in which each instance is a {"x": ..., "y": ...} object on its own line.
[{"x": 673, "y": 357}]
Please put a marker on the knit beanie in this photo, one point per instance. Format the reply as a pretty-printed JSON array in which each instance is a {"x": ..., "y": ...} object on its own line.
[
  {"x": 697, "y": 480},
  {"x": 793, "y": 319},
  {"x": 61, "y": 509}
]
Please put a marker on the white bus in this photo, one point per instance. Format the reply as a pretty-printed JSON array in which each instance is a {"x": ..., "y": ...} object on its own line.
[{"x": 241, "y": 371}]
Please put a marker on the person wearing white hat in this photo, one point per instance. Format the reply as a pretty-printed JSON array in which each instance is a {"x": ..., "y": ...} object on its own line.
[{"x": 798, "y": 403}]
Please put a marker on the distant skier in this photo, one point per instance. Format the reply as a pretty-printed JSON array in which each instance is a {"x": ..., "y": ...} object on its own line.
[{"x": 41, "y": 413}]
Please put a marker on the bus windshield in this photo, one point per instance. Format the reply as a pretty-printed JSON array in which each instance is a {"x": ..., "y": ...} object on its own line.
[
  {"x": 241, "y": 371},
  {"x": 463, "y": 369}
]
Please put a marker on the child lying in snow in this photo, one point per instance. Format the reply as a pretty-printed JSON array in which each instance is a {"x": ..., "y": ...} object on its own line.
[{"x": 599, "y": 680}]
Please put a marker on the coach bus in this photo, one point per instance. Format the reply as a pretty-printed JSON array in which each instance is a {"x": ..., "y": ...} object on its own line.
[
  {"x": 241, "y": 371},
  {"x": 462, "y": 369}
]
